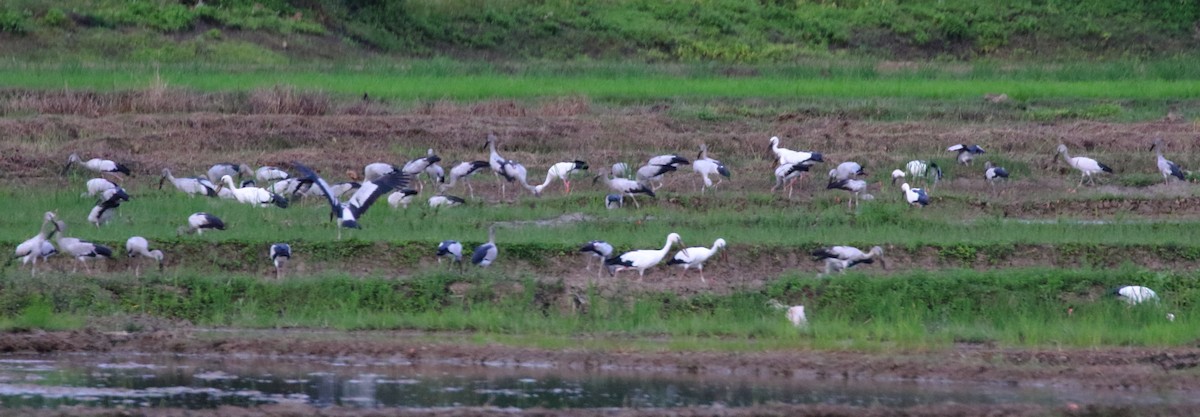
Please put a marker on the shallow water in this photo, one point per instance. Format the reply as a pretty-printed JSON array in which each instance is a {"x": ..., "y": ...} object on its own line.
[{"x": 206, "y": 382}]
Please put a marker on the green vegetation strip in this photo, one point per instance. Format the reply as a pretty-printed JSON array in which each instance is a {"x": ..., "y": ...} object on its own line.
[
  {"x": 1020, "y": 307},
  {"x": 398, "y": 85}
]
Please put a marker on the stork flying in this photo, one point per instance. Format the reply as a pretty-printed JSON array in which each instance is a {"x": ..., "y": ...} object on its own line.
[{"x": 348, "y": 213}]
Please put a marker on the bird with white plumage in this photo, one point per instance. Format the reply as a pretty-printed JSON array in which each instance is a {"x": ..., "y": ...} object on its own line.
[
  {"x": 138, "y": 246},
  {"x": 228, "y": 168},
  {"x": 33, "y": 248},
  {"x": 786, "y": 175},
  {"x": 846, "y": 170},
  {"x": 1167, "y": 168},
  {"x": 598, "y": 249},
  {"x": 854, "y": 186},
  {"x": 915, "y": 196},
  {"x": 438, "y": 201},
  {"x": 82, "y": 250},
  {"x": 841, "y": 258},
  {"x": 641, "y": 260},
  {"x": 106, "y": 207},
  {"x": 486, "y": 253},
  {"x": 191, "y": 186},
  {"x": 965, "y": 152},
  {"x": 347, "y": 213},
  {"x": 1086, "y": 166},
  {"x": 199, "y": 222},
  {"x": 463, "y": 172},
  {"x": 694, "y": 257},
  {"x": 624, "y": 187},
  {"x": 562, "y": 171},
  {"x": 401, "y": 198},
  {"x": 706, "y": 166},
  {"x": 255, "y": 196},
  {"x": 103, "y": 166},
  {"x": 453, "y": 249},
  {"x": 266, "y": 174},
  {"x": 97, "y": 186}
]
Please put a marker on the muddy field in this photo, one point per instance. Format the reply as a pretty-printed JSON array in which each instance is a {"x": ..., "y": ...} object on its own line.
[{"x": 1122, "y": 370}]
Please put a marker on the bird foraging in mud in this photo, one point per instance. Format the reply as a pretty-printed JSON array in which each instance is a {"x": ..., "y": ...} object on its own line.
[
  {"x": 641, "y": 260},
  {"x": 453, "y": 249},
  {"x": 596, "y": 249},
  {"x": 280, "y": 254},
  {"x": 138, "y": 246},
  {"x": 965, "y": 152},
  {"x": 103, "y": 166},
  {"x": 695, "y": 257},
  {"x": 200, "y": 221},
  {"x": 841, "y": 258}
]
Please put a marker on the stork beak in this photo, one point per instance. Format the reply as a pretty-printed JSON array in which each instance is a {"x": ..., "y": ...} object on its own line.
[
  {"x": 65, "y": 168},
  {"x": 161, "y": 181}
]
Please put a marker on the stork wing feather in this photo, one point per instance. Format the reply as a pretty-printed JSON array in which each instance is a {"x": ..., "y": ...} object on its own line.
[
  {"x": 320, "y": 182},
  {"x": 371, "y": 190},
  {"x": 956, "y": 148}
]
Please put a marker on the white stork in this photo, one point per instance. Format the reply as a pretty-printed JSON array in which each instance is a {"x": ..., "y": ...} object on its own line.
[
  {"x": 139, "y": 246},
  {"x": 642, "y": 259},
  {"x": 915, "y": 196},
  {"x": 486, "y": 253},
  {"x": 787, "y": 174},
  {"x": 258, "y": 197},
  {"x": 348, "y": 213},
  {"x": 965, "y": 152},
  {"x": 924, "y": 170},
  {"x": 846, "y": 170},
  {"x": 1166, "y": 167},
  {"x": 596, "y": 249},
  {"x": 266, "y": 174},
  {"x": 562, "y": 171},
  {"x": 695, "y": 257},
  {"x": 706, "y": 166},
  {"x": 840, "y": 258},
  {"x": 98, "y": 185},
  {"x": 854, "y": 186},
  {"x": 795, "y": 314},
  {"x": 451, "y": 248},
  {"x": 1086, "y": 166},
  {"x": 228, "y": 168},
  {"x": 34, "y": 247},
  {"x": 190, "y": 186},
  {"x": 445, "y": 201},
  {"x": 106, "y": 207},
  {"x": 994, "y": 173},
  {"x": 197, "y": 222},
  {"x": 897, "y": 175},
  {"x": 1134, "y": 294},
  {"x": 788, "y": 156},
  {"x": 401, "y": 198},
  {"x": 463, "y": 171},
  {"x": 280, "y": 254},
  {"x": 81, "y": 250},
  {"x": 98, "y": 165},
  {"x": 624, "y": 186}
]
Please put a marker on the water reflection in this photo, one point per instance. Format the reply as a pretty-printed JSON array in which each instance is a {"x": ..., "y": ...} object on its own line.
[{"x": 204, "y": 382}]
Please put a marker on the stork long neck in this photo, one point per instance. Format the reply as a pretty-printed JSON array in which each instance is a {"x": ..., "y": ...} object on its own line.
[
  {"x": 666, "y": 248},
  {"x": 714, "y": 248},
  {"x": 230, "y": 184}
]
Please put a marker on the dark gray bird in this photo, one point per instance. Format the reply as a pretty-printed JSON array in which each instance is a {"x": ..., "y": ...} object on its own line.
[
  {"x": 486, "y": 253},
  {"x": 451, "y": 248},
  {"x": 280, "y": 254}
]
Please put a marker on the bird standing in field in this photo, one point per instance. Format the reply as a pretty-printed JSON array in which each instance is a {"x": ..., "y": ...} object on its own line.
[
  {"x": 258, "y": 197},
  {"x": 624, "y": 186},
  {"x": 846, "y": 170},
  {"x": 562, "y": 171},
  {"x": 438, "y": 201},
  {"x": 915, "y": 196},
  {"x": 788, "y": 156},
  {"x": 965, "y": 152},
  {"x": 1167, "y": 168},
  {"x": 106, "y": 207},
  {"x": 266, "y": 174},
  {"x": 994, "y": 173},
  {"x": 401, "y": 198},
  {"x": 102, "y": 166},
  {"x": 486, "y": 253},
  {"x": 228, "y": 168},
  {"x": 924, "y": 170},
  {"x": 706, "y": 166},
  {"x": 787, "y": 174},
  {"x": 642, "y": 259},
  {"x": 496, "y": 161},
  {"x": 377, "y": 170},
  {"x": 34, "y": 247},
  {"x": 463, "y": 171},
  {"x": 349, "y": 212},
  {"x": 190, "y": 186},
  {"x": 596, "y": 249},
  {"x": 695, "y": 257},
  {"x": 81, "y": 250},
  {"x": 841, "y": 258},
  {"x": 453, "y": 249},
  {"x": 897, "y": 175},
  {"x": 139, "y": 246},
  {"x": 513, "y": 171},
  {"x": 280, "y": 254},
  {"x": 198, "y": 222},
  {"x": 1086, "y": 166},
  {"x": 418, "y": 166},
  {"x": 97, "y": 186},
  {"x": 854, "y": 186}
]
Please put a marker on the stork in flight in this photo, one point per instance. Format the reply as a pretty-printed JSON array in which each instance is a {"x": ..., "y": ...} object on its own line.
[{"x": 350, "y": 211}]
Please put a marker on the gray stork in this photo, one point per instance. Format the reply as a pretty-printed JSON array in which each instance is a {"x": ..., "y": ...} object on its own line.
[
  {"x": 98, "y": 185},
  {"x": 787, "y": 174},
  {"x": 280, "y": 254},
  {"x": 103, "y": 166},
  {"x": 840, "y": 258},
  {"x": 1167, "y": 168},
  {"x": 624, "y": 186},
  {"x": 596, "y": 249},
  {"x": 846, "y": 170},
  {"x": 453, "y": 249},
  {"x": 191, "y": 186},
  {"x": 486, "y": 253},
  {"x": 34, "y": 247},
  {"x": 266, "y": 174},
  {"x": 198, "y": 222},
  {"x": 915, "y": 196},
  {"x": 401, "y": 198},
  {"x": 81, "y": 250},
  {"x": 438, "y": 201},
  {"x": 854, "y": 186},
  {"x": 228, "y": 168},
  {"x": 463, "y": 171},
  {"x": 965, "y": 152},
  {"x": 994, "y": 173}
]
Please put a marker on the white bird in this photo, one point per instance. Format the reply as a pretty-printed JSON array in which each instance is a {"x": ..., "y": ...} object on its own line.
[
  {"x": 191, "y": 186},
  {"x": 486, "y": 253},
  {"x": 97, "y": 165},
  {"x": 1086, "y": 166},
  {"x": 620, "y": 169},
  {"x": 854, "y": 186},
  {"x": 349, "y": 212},
  {"x": 596, "y": 249},
  {"x": 228, "y": 168},
  {"x": 562, "y": 171},
  {"x": 993, "y": 173},
  {"x": 401, "y": 198},
  {"x": 266, "y": 174},
  {"x": 445, "y": 201},
  {"x": 650, "y": 174},
  {"x": 435, "y": 172},
  {"x": 98, "y": 185},
  {"x": 624, "y": 186},
  {"x": 788, "y": 156},
  {"x": 81, "y": 250},
  {"x": 846, "y": 170},
  {"x": 915, "y": 196},
  {"x": 138, "y": 246},
  {"x": 642, "y": 259},
  {"x": 377, "y": 170},
  {"x": 840, "y": 258},
  {"x": 672, "y": 160},
  {"x": 463, "y": 171},
  {"x": 451, "y": 248},
  {"x": 258, "y": 197},
  {"x": 706, "y": 166},
  {"x": 695, "y": 256},
  {"x": 197, "y": 222},
  {"x": 34, "y": 247},
  {"x": 280, "y": 254},
  {"x": 1167, "y": 168},
  {"x": 418, "y": 166},
  {"x": 787, "y": 174},
  {"x": 897, "y": 175},
  {"x": 924, "y": 170},
  {"x": 106, "y": 207},
  {"x": 1134, "y": 294},
  {"x": 795, "y": 314},
  {"x": 965, "y": 152},
  {"x": 613, "y": 201}
]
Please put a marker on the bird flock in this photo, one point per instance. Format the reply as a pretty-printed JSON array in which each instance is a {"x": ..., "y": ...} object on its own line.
[{"x": 350, "y": 200}]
